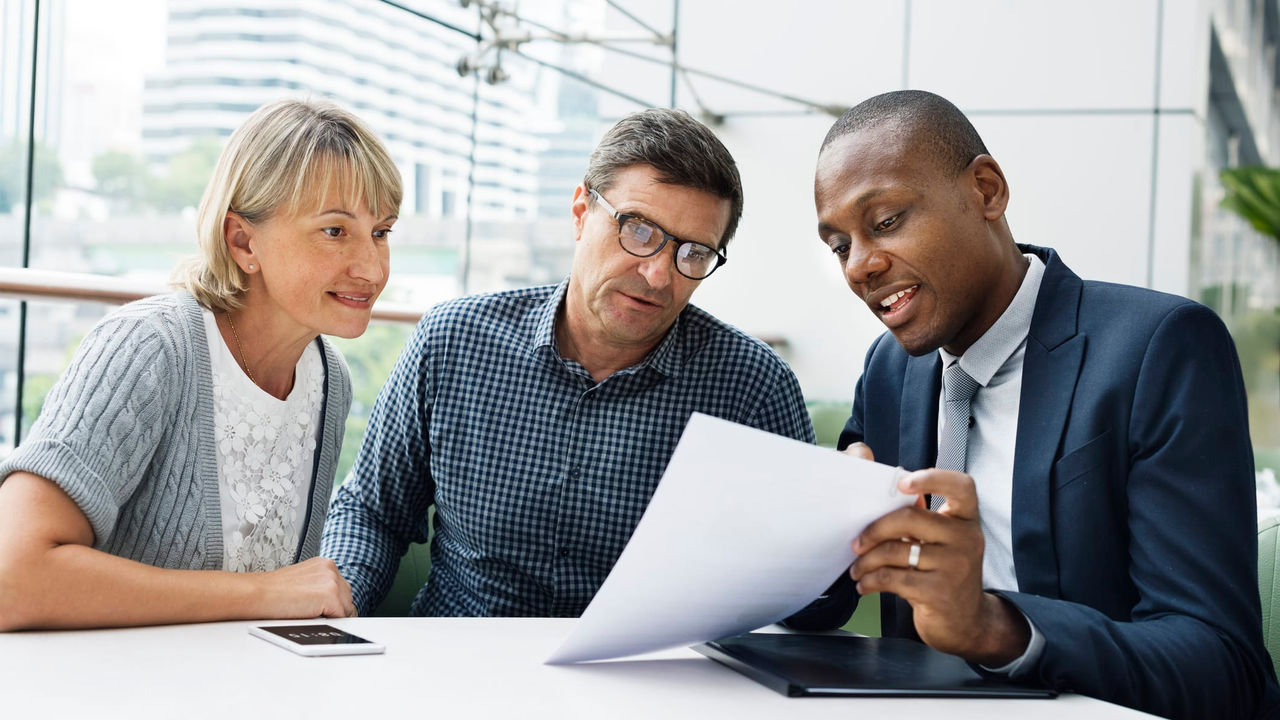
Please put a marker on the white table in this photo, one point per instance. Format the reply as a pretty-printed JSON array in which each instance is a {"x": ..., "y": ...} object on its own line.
[{"x": 433, "y": 668}]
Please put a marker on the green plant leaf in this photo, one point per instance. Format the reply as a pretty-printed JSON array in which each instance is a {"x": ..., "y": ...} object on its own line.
[{"x": 1253, "y": 193}]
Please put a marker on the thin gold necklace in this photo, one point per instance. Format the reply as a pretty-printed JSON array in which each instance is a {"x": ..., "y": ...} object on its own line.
[{"x": 243, "y": 361}]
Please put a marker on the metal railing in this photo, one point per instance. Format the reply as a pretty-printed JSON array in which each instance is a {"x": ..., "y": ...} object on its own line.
[{"x": 28, "y": 284}]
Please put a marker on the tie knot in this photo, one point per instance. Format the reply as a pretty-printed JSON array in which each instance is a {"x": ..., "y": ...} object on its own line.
[{"x": 958, "y": 385}]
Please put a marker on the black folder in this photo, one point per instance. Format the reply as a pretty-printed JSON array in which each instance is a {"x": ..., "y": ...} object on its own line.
[{"x": 799, "y": 665}]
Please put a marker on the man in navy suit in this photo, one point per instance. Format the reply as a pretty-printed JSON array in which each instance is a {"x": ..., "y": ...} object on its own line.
[{"x": 1098, "y": 531}]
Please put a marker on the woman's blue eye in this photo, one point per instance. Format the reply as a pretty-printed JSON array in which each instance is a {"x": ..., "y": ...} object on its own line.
[{"x": 380, "y": 234}]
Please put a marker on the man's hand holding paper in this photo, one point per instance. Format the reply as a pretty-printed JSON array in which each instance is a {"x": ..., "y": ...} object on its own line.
[
  {"x": 944, "y": 582},
  {"x": 745, "y": 529}
]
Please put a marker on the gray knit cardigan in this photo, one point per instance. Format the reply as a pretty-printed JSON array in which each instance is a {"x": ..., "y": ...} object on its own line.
[{"x": 128, "y": 433}]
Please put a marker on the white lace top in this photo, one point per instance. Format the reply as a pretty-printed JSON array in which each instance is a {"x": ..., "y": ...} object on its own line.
[{"x": 266, "y": 451}]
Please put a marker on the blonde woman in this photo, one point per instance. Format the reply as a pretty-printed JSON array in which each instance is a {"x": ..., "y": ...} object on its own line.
[{"x": 182, "y": 465}]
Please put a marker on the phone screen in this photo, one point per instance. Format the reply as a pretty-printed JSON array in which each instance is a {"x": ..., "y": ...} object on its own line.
[
  {"x": 315, "y": 635},
  {"x": 312, "y": 640}
]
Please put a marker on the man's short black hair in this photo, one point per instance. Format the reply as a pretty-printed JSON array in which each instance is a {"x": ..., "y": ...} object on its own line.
[{"x": 931, "y": 121}]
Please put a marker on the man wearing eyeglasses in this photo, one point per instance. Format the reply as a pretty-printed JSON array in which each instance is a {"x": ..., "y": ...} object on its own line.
[{"x": 538, "y": 421}]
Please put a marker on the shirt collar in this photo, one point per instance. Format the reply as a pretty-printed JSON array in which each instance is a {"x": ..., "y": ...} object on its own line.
[
  {"x": 985, "y": 357},
  {"x": 544, "y": 332},
  {"x": 666, "y": 358}
]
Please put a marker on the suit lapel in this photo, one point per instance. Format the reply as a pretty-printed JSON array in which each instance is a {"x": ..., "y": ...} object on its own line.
[
  {"x": 920, "y": 388},
  {"x": 917, "y": 449},
  {"x": 1051, "y": 367}
]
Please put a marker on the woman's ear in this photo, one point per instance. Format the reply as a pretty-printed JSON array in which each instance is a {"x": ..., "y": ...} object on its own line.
[{"x": 239, "y": 235}]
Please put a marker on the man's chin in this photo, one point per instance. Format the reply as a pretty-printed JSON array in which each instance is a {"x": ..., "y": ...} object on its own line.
[
  {"x": 914, "y": 345},
  {"x": 630, "y": 329}
]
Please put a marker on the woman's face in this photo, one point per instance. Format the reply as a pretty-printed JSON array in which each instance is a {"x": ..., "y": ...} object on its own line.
[{"x": 321, "y": 267}]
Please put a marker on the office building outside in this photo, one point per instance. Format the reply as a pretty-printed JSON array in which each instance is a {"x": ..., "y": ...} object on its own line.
[{"x": 1111, "y": 120}]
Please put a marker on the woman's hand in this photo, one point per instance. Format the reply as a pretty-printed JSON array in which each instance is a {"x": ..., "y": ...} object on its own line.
[
  {"x": 52, "y": 577},
  {"x": 312, "y": 588}
]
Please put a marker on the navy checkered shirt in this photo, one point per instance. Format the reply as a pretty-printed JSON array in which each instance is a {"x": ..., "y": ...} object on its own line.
[{"x": 538, "y": 473}]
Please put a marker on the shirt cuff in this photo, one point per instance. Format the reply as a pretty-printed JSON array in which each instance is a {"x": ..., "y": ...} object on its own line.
[{"x": 1027, "y": 660}]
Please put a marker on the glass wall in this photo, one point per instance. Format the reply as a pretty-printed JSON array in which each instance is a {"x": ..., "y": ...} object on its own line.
[
  {"x": 131, "y": 109},
  {"x": 103, "y": 158},
  {"x": 1236, "y": 269}
]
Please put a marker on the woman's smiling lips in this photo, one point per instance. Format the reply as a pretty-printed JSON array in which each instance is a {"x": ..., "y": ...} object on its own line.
[{"x": 360, "y": 300}]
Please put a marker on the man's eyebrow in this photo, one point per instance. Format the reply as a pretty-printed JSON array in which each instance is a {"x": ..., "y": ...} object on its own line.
[
  {"x": 857, "y": 206},
  {"x": 860, "y": 203},
  {"x": 870, "y": 196}
]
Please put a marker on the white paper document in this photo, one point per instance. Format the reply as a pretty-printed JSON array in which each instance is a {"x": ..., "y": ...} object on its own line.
[{"x": 745, "y": 529}]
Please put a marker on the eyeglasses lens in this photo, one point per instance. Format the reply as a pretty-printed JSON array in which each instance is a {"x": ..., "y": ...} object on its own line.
[
  {"x": 640, "y": 238},
  {"x": 695, "y": 260},
  {"x": 645, "y": 240}
]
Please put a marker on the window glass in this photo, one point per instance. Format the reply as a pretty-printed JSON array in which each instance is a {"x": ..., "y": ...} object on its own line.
[
  {"x": 133, "y": 109},
  {"x": 17, "y": 53},
  {"x": 1236, "y": 271}
]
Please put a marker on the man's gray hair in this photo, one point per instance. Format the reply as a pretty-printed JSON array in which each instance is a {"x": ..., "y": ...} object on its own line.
[{"x": 683, "y": 151}]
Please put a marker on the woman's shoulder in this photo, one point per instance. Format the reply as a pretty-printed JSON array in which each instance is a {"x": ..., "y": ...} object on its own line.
[
  {"x": 176, "y": 308},
  {"x": 169, "y": 324}
]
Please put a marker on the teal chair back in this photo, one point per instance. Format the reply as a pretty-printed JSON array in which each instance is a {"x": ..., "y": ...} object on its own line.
[
  {"x": 1269, "y": 585},
  {"x": 828, "y": 420},
  {"x": 415, "y": 566}
]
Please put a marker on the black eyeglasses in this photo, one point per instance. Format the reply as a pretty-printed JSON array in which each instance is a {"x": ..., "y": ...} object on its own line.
[{"x": 643, "y": 238}]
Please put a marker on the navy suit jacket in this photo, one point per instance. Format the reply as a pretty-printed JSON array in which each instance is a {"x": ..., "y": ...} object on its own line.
[{"x": 1134, "y": 533}]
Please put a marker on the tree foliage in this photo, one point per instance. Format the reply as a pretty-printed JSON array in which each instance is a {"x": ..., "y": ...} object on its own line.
[
  {"x": 128, "y": 181},
  {"x": 122, "y": 177},
  {"x": 185, "y": 176},
  {"x": 371, "y": 358},
  {"x": 1253, "y": 193},
  {"x": 46, "y": 177}
]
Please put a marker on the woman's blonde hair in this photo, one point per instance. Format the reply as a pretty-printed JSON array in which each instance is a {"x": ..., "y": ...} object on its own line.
[{"x": 286, "y": 153}]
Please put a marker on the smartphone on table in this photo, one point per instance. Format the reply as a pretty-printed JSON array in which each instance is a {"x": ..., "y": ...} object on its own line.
[{"x": 313, "y": 640}]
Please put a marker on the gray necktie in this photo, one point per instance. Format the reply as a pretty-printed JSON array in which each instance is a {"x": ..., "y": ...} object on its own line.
[{"x": 957, "y": 393}]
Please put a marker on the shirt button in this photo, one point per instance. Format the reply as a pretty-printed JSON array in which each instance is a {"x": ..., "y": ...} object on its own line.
[
  {"x": 564, "y": 552},
  {"x": 574, "y": 473}
]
